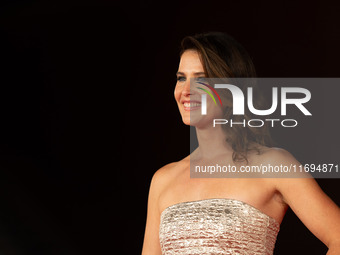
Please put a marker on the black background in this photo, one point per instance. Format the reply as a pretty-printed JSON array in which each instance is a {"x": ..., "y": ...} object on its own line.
[{"x": 88, "y": 115}]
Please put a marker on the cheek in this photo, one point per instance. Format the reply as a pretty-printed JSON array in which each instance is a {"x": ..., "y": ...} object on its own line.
[
  {"x": 177, "y": 93},
  {"x": 215, "y": 111}
]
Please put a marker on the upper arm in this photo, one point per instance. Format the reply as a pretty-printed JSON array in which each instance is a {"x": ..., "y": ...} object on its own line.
[
  {"x": 151, "y": 245},
  {"x": 310, "y": 204}
]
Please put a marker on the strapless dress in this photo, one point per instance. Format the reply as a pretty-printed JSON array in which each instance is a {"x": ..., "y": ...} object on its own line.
[{"x": 216, "y": 226}]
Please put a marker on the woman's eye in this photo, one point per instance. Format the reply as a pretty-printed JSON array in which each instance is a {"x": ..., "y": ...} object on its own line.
[
  {"x": 200, "y": 79},
  {"x": 180, "y": 78}
]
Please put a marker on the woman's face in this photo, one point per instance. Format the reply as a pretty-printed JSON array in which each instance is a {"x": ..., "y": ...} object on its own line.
[{"x": 188, "y": 96}]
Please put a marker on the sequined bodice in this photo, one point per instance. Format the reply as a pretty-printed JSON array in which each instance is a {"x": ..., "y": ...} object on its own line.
[{"x": 216, "y": 226}]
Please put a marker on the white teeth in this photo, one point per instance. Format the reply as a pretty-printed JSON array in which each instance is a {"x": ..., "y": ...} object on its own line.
[{"x": 192, "y": 104}]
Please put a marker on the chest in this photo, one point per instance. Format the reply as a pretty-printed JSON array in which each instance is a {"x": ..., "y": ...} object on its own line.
[{"x": 257, "y": 192}]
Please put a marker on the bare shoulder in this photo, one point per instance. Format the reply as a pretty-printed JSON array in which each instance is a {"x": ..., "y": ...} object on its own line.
[
  {"x": 301, "y": 192},
  {"x": 278, "y": 164},
  {"x": 164, "y": 176},
  {"x": 170, "y": 170},
  {"x": 289, "y": 169},
  {"x": 276, "y": 155}
]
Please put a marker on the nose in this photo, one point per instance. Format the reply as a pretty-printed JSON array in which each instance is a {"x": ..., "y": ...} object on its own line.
[{"x": 186, "y": 88}]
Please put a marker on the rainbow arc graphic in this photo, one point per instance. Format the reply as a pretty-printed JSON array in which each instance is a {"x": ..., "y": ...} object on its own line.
[{"x": 209, "y": 93}]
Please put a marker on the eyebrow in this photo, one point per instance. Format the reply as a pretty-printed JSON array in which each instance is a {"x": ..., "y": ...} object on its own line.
[{"x": 196, "y": 74}]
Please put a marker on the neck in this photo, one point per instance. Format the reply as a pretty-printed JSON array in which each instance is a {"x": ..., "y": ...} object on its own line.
[{"x": 212, "y": 142}]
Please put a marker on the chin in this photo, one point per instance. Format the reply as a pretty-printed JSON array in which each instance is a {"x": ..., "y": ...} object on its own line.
[{"x": 186, "y": 121}]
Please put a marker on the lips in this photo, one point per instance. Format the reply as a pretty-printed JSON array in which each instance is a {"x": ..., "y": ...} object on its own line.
[{"x": 191, "y": 105}]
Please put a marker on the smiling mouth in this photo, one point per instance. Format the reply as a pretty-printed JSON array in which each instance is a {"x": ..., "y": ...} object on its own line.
[{"x": 190, "y": 106}]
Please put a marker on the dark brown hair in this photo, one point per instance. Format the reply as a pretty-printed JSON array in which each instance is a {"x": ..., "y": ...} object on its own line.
[{"x": 223, "y": 57}]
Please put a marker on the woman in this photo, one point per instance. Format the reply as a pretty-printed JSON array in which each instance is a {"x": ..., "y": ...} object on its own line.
[{"x": 227, "y": 215}]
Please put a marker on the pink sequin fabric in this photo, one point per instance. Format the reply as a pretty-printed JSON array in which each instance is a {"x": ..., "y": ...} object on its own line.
[{"x": 216, "y": 226}]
